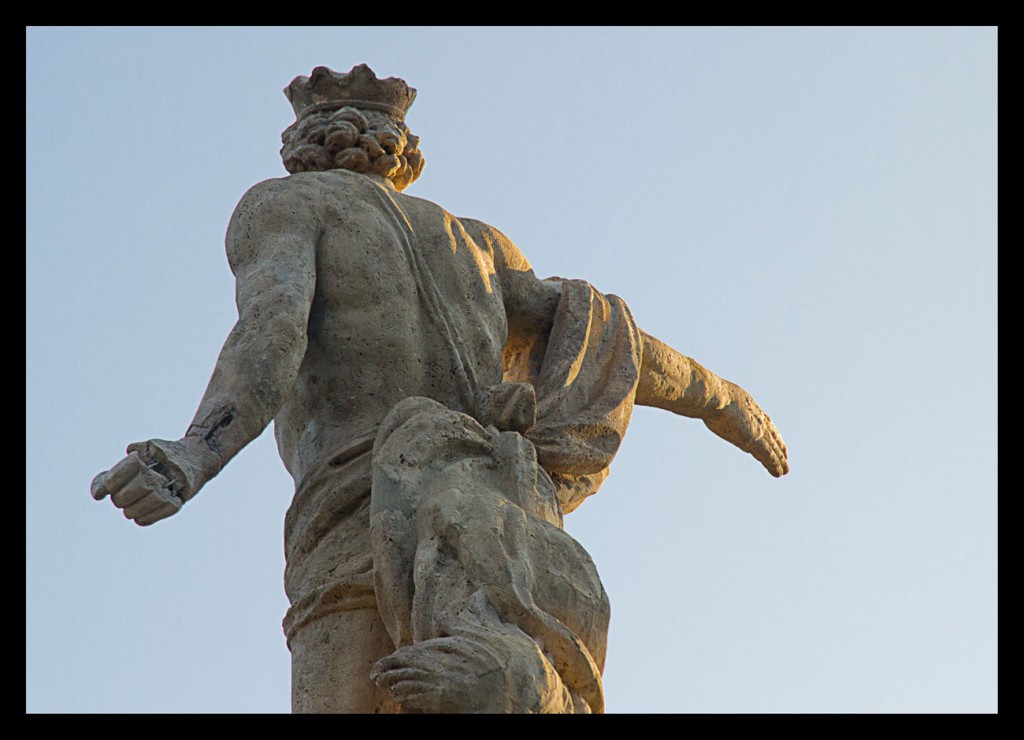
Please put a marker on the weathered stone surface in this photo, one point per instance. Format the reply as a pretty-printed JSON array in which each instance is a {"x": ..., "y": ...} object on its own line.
[{"x": 439, "y": 407}]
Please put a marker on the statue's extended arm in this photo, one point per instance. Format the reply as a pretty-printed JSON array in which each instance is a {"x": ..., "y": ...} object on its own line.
[
  {"x": 668, "y": 379},
  {"x": 271, "y": 243},
  {"x": 672, "y": 381}
]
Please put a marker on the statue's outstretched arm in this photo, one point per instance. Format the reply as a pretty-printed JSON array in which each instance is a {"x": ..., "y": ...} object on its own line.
[
  {"x": 668, "y": 379},
  {"x": 672, "y": 381},
  {"x": 271, "y": 243}
]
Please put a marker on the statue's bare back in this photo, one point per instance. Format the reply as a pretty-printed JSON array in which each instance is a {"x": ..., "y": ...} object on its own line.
[{"x": 370, "y": 342}]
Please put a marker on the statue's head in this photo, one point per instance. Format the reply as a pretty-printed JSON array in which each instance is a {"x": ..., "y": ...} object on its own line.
[{"x": 352, "y": 121}]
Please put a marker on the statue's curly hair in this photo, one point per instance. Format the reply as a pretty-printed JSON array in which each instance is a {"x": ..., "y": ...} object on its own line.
[{"x": 368, "y": 142}]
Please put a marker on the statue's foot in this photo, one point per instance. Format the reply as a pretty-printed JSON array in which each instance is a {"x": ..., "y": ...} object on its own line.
[{"x": 445, "y": 674}]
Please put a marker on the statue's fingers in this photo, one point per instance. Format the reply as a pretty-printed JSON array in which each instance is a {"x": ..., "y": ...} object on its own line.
[
  {"x": 398, "y": 675},
  {"x": 767, "y": 454},
  {"x": 127, "y": 496},
  {"x": 115, "y": 479},
  {"x": 98, "y": 488},
  {"x": 145, "y": 505},
  {"x": 780, "y": 450},
  {"x": 412, "y": 693},
  {"x": 768, "y": 462},
  {"x": 385, "y": 665},
  {"x": 164, "y": 510},
  {"x": 145, "y": 483},
  {"x": 770, "y": 436},
  {"x": 404, "y": 684},
  {"x": 779, "y": 466}
]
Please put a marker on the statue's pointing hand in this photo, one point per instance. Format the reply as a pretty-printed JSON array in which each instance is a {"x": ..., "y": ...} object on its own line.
[
  {"x": 145, "y": 494},
  {"x": 155, "y": 480},
  {"x": 745, "y": 424}
]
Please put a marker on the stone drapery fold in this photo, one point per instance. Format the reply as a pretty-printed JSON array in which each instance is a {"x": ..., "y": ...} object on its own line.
[{"x": 470, "y": 558}]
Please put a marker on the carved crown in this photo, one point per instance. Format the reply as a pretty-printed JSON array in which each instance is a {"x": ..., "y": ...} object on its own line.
[{"x": 325, "y": 89}]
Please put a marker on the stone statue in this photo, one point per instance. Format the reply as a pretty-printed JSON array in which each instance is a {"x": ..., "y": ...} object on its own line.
[{"x": 439, "y": 407}]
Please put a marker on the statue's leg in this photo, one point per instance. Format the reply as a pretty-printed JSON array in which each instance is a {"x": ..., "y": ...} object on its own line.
[
  {"x": 331, "y": 661},
  {"x": 465, "y": 656},
  {"x": 493, "y": 606}
]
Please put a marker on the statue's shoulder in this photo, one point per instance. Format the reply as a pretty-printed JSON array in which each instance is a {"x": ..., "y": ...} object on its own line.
[
  {"x": 277, "y": 195},
  {"x": 481, "y": 230},
  {"x": 270, "y": 208},
  {"x": 332, "y": 183},
  {"x": 504, "y": 250}
]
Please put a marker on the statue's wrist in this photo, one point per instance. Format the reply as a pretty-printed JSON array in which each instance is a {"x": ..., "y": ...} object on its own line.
[
  {"x": 722, "y": 400},
  {"x": 188, "y": 462},
  {"x": 203, "y": 462}
]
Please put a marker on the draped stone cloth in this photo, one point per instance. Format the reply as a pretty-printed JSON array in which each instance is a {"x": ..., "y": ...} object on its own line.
[{"x": 452, "y": 523}]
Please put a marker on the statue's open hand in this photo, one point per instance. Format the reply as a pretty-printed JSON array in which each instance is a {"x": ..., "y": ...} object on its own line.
[
  {"x": 444, "y": 675},
  {"x": 142, "y": 485},
  {"x": 745, "y": 424}
]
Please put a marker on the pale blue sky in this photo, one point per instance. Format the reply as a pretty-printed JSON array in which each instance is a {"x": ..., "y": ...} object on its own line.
[{"x": 808, "y": 212}]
